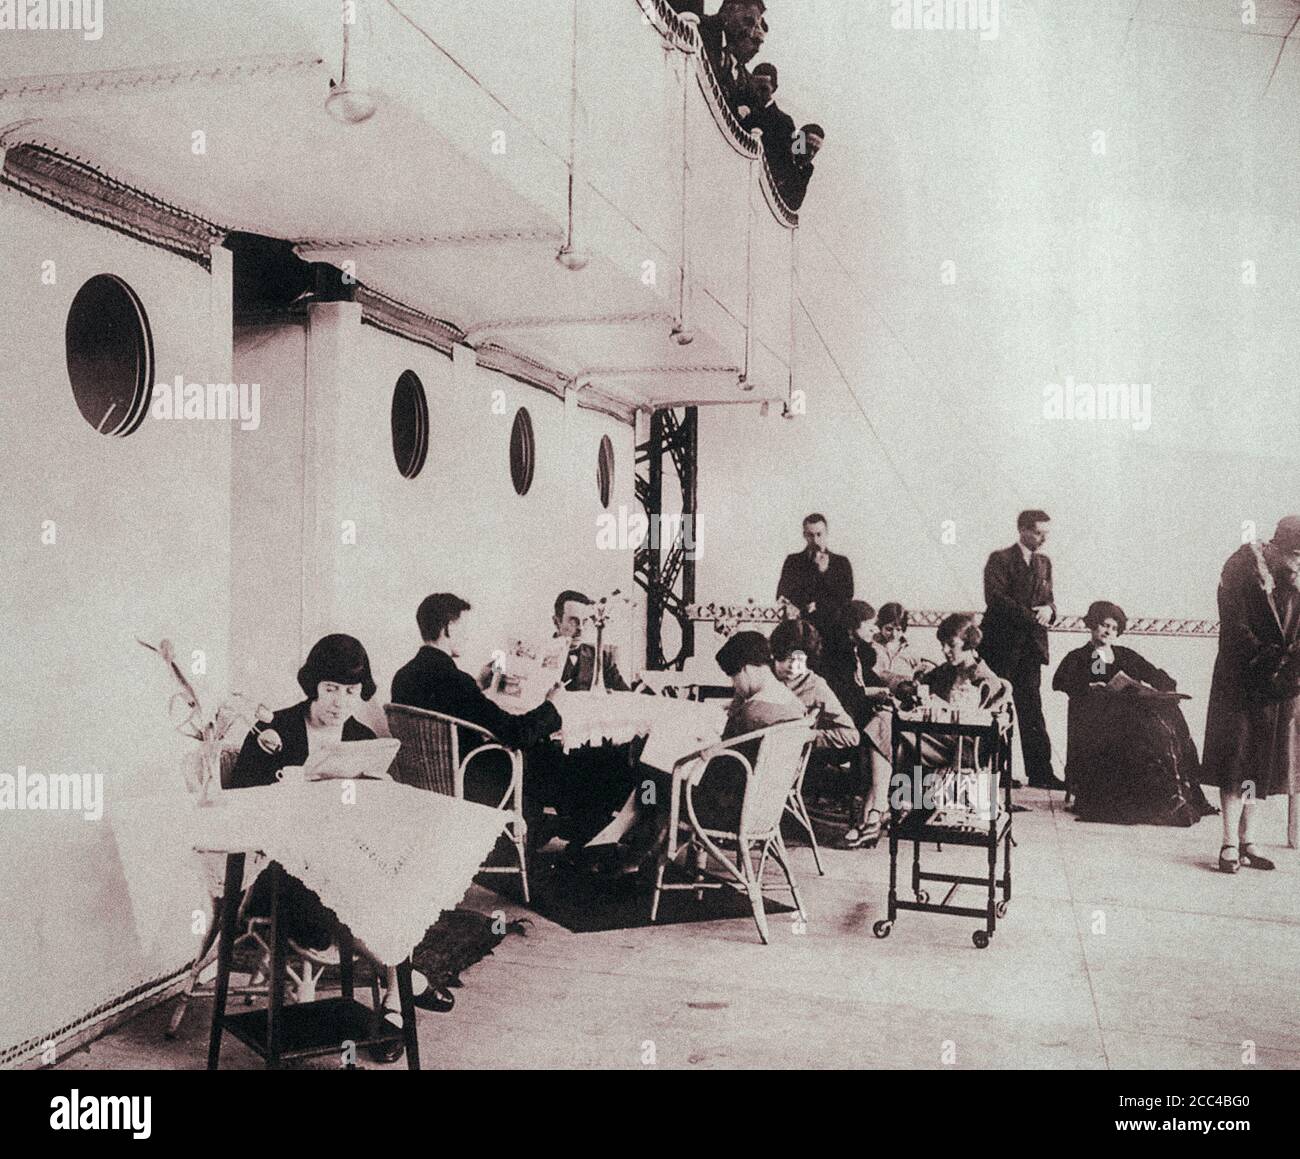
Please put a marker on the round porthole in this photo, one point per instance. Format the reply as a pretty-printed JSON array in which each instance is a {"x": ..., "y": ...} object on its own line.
[
  {"x": 410, "y": 425},
  {"x": 605, "y": 470},
  {"x": 110, "y": 355},
  {"x": 523, "y": 452}
]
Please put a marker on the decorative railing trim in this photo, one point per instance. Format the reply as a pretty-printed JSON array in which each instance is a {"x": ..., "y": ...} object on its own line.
[{"x": 752, "y": 613}]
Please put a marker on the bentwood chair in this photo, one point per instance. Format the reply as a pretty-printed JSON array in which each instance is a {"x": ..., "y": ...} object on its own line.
[
  {"x": 430, "y": 758},
  {"x": 742, "y": 851}
]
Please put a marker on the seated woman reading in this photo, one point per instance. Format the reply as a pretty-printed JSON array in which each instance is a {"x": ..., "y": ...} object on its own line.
[
  {"x": 1130, "y": 757},
  {"x": 335, "y": 679}
]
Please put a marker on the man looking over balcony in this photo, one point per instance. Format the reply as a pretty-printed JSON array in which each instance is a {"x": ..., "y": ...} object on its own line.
[
  {"x": 732, "y": 38},
  {"x": 762, "y": 112},
  {"x": 807, "y": 144}
]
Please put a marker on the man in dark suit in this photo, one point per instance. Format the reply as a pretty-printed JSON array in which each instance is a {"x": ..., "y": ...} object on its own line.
[
  {"x": 732, "y": 38},
  {"x": 685, "y": 7},
  {"x": 816, "y": 580},
  {"x": 807, "y": 144},
  {"x": 432, "y": 681},
  {"x": 1019, "y": 608},
  {"x": 762, "y": 112},
  {"x": 579, "y": 671}
]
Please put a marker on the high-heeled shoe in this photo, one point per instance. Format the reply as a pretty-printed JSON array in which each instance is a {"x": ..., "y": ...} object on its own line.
[
  {"x": 1228, "y": 864},
  {"x": 1253, "y": 860},
  {"x": 867, "y": 834}
]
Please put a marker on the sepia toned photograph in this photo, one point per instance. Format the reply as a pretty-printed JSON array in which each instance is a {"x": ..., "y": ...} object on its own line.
[{"x": 630, "y": 535}]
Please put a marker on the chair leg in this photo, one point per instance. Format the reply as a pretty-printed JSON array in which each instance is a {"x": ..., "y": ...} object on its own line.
[
  {"x": 519, "y": 835},
  {"x": 207, "y": 954},
  {"x": 781, "y": 856},
  {"x": 800, "y": 811},
  {"x": 660, "y": 868},
  {"x": 760, "y": 913},
  {"x": 701, "y": 864}
]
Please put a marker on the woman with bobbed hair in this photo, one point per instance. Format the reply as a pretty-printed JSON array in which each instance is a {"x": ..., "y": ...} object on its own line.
[
  {"x": 336, "y": 679},
  {"x": 849, "y": 663},
  {"x": 1130, "y": 757},
  {"x": 963, "y": 680},
  {"x": 796, "y": 658},
  {"x": 895, "y": 661}
]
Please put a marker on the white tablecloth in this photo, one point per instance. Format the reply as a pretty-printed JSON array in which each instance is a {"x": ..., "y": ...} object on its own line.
[
  {"x": 673, "y": 727},
  {"x": 388, "y": 863}
]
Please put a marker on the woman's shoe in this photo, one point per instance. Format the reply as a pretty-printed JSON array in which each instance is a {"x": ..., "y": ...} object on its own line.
[
  {"x": 436, "y": 998},
  {"x": 866, "y": 835},
  {"x": 391, "y": 1052},
  {"x": 1228, "y": 864},
  {"x": 1253, "y": 860}
]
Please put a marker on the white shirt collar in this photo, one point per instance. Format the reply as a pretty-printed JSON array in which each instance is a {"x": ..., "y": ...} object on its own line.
[{"x": 1025, "y": 552}]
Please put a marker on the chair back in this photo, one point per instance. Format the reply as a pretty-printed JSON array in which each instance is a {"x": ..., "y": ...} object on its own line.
[
  {"x": 779, "y": 763},
  {"x": 430, "y": 754}
]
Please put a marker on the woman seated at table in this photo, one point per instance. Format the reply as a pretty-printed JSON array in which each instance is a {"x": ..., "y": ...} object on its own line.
[
  {"x": 1130, "y": 758},
  {"x": 335, "y": 679},
  {"x": 962, "y": 684},
  {"x": 761, "y": 700},
  {"x": 849, "y": 663},
  {"x": 895, "y": 661}
]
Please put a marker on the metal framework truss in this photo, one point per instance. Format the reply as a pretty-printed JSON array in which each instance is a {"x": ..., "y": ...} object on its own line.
[{"x": 666, "y": 570}]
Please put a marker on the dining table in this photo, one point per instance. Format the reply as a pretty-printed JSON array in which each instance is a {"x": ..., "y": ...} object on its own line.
[{"x": 387, "y": 859}]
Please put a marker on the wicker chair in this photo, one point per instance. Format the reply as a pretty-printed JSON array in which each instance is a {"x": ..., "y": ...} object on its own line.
[
  {"x": 769, "y": 781},
  {"x": 430, "y": 758}
]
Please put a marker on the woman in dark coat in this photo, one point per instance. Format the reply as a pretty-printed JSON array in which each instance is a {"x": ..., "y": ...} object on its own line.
[
  {"x": 336, "y": 679},
  {"x": 1252, "y": 730},
  {"x": 1130, "y": 759},
  {"x": 849, "y": 666}
]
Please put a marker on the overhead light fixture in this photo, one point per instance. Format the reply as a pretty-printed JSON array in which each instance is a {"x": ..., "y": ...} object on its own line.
[
  {"x": 349, "y": 104},
  {"x": 681, "y": 335},
  {"x": 744, "y": 383},
  {"x": 572, "y": 259}
]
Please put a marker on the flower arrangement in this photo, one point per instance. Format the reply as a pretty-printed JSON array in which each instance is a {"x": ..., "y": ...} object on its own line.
[
  {"x": 600, "y": 615},
  {"x": 209, "y": 729}
]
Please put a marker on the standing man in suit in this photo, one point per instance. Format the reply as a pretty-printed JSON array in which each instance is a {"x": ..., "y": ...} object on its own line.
[
  {"x": 1019, "y": 608},
  {"x": 816, "y": 580},
  {"x": 579, "y": 672}
]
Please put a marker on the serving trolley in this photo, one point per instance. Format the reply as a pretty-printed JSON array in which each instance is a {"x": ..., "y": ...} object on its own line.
[{"x": 962, "y": 798}]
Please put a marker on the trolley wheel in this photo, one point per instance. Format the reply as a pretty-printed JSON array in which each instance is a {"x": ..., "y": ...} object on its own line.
[
  {"x": 981, "y": 939},
  {"x": 1000, "y": 909},
  {"x": 881, "y": 929},
  {"x": 922, "y": 897}
]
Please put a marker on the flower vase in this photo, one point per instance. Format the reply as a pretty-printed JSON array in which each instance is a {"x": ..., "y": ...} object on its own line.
[
  {"x": 598, "y": 676},
  {"x": 209, "y": 776}
]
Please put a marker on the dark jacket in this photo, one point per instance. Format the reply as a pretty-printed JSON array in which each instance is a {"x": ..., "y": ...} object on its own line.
[
  {"x": 731, "y": 75},
  {"x": 432, "y": 681},
  {"x": 257, "y": 767},
  {"x": 849, "y": 666},
  {"x": 798, "y": 176},
  {"x": 778, "y": 136},
  {"x": 580, "y": 671},
  {"x": 802, "y": 584},
  {"x": 1012, "y": 633}
]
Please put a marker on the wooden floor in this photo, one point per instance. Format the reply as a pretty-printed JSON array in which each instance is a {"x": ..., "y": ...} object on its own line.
[{"x": 1123, "y": 948}]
